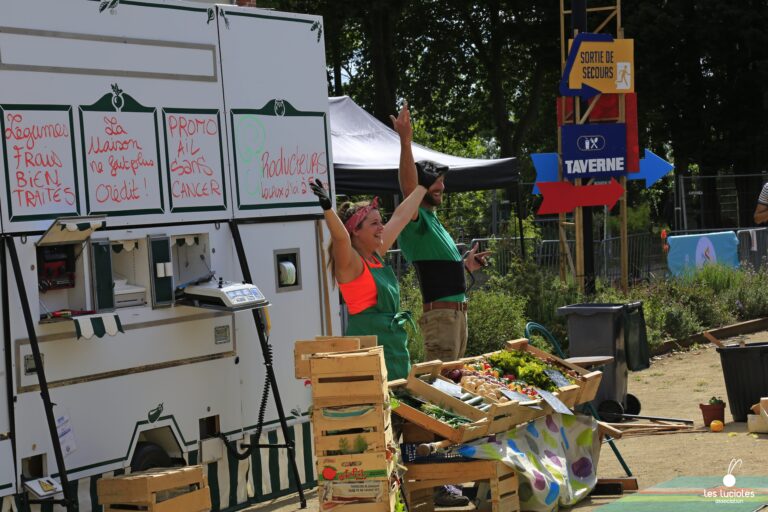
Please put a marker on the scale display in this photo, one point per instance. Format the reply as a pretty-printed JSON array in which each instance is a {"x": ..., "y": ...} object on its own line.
[{"x": 225, "y": 294}]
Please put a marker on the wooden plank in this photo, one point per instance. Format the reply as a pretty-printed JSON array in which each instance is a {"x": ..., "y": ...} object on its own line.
[
  {"x": 422, "y": 500},
  {"x": 569, "y": 395},
  {"x": 195, "y": 501},
  {"x": 360, "y": 362},
  {"x": 510, "y": 503},
  {"x": 428, "y": 367},
  {"x": 469, "y": 471},
  {"x": 376, "y": 416},
  {"x": 589, "y": 386},
  {"x": 366, "y": 341},
  {"x": 303, "y": 350},
  {"x": 508, "y": 483},
  {"x": 330, "y": 394}
]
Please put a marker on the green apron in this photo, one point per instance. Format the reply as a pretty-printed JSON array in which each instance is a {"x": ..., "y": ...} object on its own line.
[{"x": 385, "y": 321}]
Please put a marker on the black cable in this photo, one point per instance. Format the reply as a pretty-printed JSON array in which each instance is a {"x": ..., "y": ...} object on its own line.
[{"x": 231, "y": 448}]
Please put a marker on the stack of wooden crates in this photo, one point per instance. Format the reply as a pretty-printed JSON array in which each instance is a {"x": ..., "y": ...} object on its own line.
[{"x": 351, "y": 420}]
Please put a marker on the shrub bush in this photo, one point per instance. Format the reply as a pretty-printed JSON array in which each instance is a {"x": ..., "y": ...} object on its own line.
[
  {"x": 675, "y": 307},
  {"x": 493, "y": 317}
]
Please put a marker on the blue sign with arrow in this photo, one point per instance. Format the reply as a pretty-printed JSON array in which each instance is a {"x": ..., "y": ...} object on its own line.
[
  {"x": 546, "y": 165},
  {"x": 652, "y": 169}
]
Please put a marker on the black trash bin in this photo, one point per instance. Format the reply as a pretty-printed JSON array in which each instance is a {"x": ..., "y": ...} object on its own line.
[
  {"x": 616, "y": 330},
  {"x": 745, "y": 370}
]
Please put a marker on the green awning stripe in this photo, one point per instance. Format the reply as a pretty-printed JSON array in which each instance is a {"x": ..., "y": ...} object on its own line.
[
  {"x": 98, "y": 325},
  {"x": 80, "y": 226}
]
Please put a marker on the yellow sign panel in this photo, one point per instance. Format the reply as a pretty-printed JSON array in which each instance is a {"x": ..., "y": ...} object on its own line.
[{"x": 608, "y": 67}]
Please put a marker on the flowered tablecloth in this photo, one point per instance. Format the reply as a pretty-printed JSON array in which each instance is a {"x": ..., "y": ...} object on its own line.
[{"x": 555, "y": 456}]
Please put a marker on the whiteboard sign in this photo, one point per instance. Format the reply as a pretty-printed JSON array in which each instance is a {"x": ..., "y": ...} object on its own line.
[
  {"x": 120, "y": 156},
  {"x": 194, "y": 160},
  {"x": 278, "y": 151},
  {"x": 40, "y": 164}
]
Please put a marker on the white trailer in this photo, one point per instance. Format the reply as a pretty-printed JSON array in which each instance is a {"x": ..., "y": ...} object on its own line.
[{"x": 142, "y": 140}]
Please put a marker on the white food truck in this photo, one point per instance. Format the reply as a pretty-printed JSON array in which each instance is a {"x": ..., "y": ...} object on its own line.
[{"x": 155, "y": 163}]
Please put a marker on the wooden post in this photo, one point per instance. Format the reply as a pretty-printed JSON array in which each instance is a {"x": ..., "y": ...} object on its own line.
[
  {"x": 624, "y": 236},
  {"x": 324, "y": 291}
]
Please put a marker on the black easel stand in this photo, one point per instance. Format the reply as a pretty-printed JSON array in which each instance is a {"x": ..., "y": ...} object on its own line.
[
  {"x": 271, "y": 381},
  {"x": 69, "y": 501}
]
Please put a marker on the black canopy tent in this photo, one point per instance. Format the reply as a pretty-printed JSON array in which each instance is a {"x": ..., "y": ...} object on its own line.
[{"x": 366, "y": 155}]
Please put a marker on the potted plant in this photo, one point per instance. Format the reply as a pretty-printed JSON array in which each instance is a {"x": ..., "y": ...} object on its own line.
[{"x": 713, "y": 410}]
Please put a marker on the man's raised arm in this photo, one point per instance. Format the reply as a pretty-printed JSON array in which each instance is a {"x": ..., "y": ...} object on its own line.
[{"x": 407, "y": 171}]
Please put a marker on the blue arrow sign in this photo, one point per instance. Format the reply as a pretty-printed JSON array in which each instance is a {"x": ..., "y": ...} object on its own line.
[
  {"x": 585, "y": 91},
  {"x": 546, "y": 165},
  {"x": 652, "y": 169}
]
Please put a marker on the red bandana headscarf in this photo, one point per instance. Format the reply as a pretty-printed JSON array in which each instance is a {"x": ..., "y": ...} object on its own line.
[{"x": 361, "y": 214}]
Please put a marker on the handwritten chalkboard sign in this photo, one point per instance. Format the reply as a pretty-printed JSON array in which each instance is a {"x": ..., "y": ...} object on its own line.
[
  {"x": 40, "y": 164},
  {"x": 120, "y": 156},
  {"x": 278, "y": 151},
  {"x": 557, "y": 378},
  {"x": 194, "y": 160},
  {"x": 554, "y": 402}
]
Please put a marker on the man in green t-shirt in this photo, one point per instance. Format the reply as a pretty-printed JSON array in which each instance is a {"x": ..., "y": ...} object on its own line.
[{"x": 439, "y": 266}]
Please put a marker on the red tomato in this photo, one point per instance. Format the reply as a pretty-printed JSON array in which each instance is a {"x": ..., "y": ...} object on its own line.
[{"x": 329, "y": 473}]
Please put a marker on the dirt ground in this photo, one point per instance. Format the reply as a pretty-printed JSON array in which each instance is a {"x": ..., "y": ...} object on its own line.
[{"x": 673, "y": 387}]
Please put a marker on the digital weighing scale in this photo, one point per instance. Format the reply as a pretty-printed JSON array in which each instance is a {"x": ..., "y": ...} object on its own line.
[{"x": 224, "y": 294}]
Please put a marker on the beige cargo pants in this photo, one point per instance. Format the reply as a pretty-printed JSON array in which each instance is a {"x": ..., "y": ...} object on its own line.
[{"x": 445, "y": 334}]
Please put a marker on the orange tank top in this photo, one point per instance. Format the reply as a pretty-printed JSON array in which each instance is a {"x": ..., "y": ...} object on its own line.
[{"x": 360, "y": 293}]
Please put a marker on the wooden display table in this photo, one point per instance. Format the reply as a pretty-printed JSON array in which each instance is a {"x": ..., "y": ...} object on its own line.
[{"x": 502, "y": 480}]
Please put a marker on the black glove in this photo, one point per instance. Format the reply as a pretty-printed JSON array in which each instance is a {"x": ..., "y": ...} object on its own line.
[
  {"x": 322, "y": 194},
  {"x": 429, "y": 171}
]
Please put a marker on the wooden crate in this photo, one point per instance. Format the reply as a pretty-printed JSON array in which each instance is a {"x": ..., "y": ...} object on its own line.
[
  {"x": 349, "y": 378},
  {"x": 304, "y": 349},
  {"x": 501, "y": 417},
  {"x": 385, "y": 490},
  {"x": 156, "y": 490},
  {"x": 583, "y": 391},
  {"x": 501, "y": 479},
  {"x": 462, "y": 434},
  {"x": 588, "y": 381},
  {"x": 338, "y": 428}
]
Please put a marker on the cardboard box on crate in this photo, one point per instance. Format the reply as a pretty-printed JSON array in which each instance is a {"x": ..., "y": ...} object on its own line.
[
  {"x": 351, "y": 421},
  {"x": 156, "y": 490},
  {"x": 488, "y": 415}
]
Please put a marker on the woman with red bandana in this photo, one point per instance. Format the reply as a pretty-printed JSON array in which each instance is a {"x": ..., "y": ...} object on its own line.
[{"x": 359, "y": 241}]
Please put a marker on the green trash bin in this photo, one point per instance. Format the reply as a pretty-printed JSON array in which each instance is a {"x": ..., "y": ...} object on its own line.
[{"x": 616, "y": 330}]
